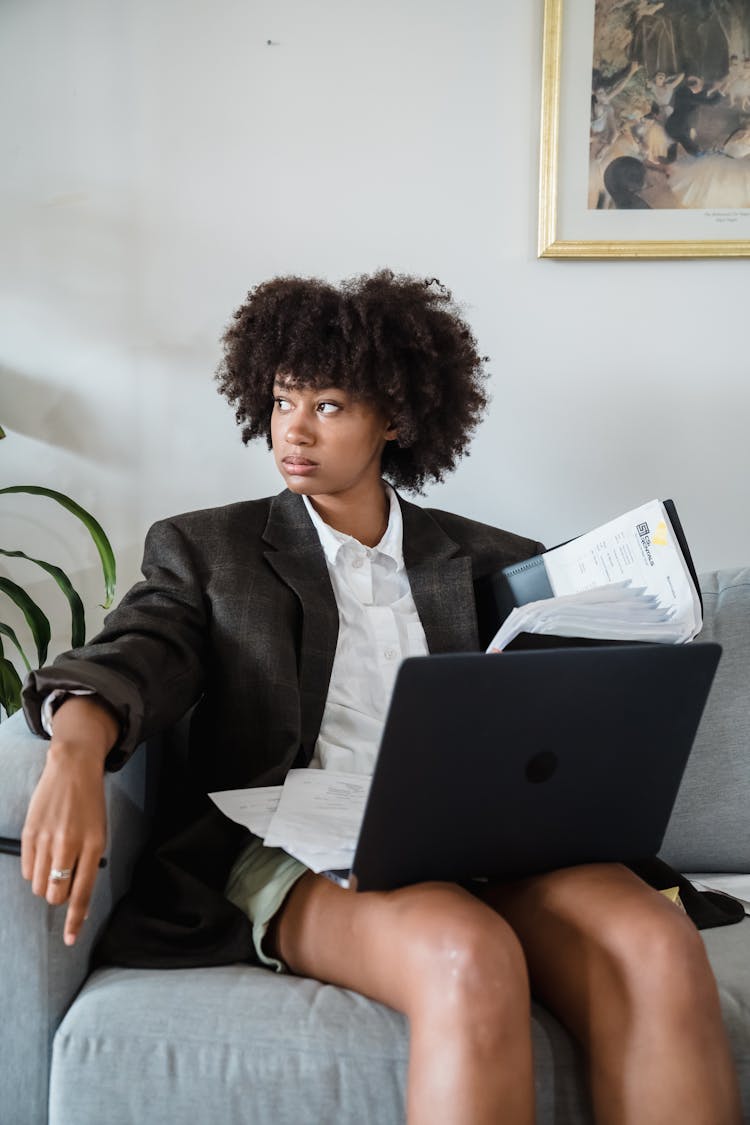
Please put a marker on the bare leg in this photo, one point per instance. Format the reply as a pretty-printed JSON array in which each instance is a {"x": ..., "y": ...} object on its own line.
[
  {"x": 446, "y": 960},
  {"x": 627, "y": 973}
]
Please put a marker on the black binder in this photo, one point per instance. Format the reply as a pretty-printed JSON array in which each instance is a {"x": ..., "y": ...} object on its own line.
[{"x": 527, "y": 581}]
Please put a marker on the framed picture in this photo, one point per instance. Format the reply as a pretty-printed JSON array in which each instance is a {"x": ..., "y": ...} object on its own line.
[{"x": 645, "y": 149}]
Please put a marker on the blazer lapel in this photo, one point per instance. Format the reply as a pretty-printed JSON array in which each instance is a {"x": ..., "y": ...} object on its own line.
[
  {"x": 297, "y": 558},
  {"x": 441, "y": 583}
]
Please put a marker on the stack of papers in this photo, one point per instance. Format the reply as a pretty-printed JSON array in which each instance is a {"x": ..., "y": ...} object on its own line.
[
  {"x": 314, "y": 816},
  {"x": 615, "y": 612}
]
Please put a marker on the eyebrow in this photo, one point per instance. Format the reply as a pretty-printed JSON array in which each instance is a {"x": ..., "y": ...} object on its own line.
[{"x": 332, "y": 390}]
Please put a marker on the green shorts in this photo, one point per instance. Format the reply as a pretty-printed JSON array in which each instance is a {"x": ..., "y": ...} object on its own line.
[{"x": 258, "y": 883}]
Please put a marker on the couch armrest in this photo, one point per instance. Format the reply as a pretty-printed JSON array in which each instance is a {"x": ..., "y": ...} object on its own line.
[{"x": 39, "y": 974}]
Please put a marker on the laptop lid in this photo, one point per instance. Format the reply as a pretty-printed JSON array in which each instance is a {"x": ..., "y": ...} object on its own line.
[{"x": 509, "y": 765}]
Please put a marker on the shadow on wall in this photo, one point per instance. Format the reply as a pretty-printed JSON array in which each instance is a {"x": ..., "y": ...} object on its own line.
[{"x": 58, "y": 417}]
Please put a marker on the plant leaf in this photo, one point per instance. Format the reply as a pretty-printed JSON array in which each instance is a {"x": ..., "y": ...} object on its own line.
[
  {"x": 6, "y": 629},
  {"x": 78, "y": 624},
  {"x": 10, "y": 687},
  {"x": 94, "y": 528},
  {"x": 37, "y": 621}
]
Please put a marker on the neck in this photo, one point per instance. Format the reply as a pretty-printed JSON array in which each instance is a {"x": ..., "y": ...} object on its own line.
[{"x": 364, "y": 518}]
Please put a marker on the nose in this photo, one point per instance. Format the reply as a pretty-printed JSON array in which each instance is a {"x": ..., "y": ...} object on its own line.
[{"x": 299, "y": 429}]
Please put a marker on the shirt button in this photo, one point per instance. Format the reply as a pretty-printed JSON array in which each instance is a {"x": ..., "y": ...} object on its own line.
[
  {"x": 390, "y": 653},
  {"x": 358, "y": 563}
]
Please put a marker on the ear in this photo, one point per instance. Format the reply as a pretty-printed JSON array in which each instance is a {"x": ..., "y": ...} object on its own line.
[{"x": 391, "y": 432}]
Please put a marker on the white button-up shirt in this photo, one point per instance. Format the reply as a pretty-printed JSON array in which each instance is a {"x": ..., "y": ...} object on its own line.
[{"x": 378, "y": 627}]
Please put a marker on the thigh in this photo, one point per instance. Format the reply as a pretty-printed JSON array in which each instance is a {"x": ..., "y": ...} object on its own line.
[
  {"x": 382, "y": 943},
  {"x": 579, "y": 926}
]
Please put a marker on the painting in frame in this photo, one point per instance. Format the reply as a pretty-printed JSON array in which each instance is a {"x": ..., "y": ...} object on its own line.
[{"x": 645, "y": 148}]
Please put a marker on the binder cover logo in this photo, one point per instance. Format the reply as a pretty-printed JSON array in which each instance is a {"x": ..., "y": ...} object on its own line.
[
  {"x": 645, "y": 538},
  {"x": 659, "y": 538}
]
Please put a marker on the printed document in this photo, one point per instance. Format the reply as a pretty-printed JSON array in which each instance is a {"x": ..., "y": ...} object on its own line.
[{"x": 315, "y": 815}]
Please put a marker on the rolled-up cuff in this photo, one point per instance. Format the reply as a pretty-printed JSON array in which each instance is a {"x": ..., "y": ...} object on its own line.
[
  {"x": 115, "y": 690},
  {"x": 51, "y": 702}
]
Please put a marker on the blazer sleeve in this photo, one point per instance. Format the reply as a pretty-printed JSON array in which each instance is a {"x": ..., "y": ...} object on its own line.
[{"x": 147, "y": 664}]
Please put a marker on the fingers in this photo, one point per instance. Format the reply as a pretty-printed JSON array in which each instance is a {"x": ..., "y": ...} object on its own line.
[
  {"x": 59, "y": 879},
  {"x": 28, "y": 855},
  {"x": 41, "y": 867},
  {"x": 49, "y": 864},
  {"x": 58, "y": 874},
  {"x": 80, "y": 893}
]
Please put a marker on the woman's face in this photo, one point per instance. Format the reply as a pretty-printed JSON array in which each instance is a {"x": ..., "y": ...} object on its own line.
[{"x": 325, "y": 442}]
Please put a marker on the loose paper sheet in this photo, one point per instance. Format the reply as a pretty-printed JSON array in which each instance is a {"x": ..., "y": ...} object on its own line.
[
  {"x": 315, "y": 816},
  {"x": 253, "y": 808}
]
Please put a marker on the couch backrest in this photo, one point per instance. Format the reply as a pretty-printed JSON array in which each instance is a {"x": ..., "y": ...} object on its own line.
[{"x": 710, "y": 825}]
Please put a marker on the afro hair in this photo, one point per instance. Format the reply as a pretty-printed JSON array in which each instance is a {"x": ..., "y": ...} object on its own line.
[{"x": 395, "y": 341}]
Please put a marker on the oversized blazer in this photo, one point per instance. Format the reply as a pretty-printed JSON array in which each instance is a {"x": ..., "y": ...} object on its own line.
[{"x": 236, "y": 618}]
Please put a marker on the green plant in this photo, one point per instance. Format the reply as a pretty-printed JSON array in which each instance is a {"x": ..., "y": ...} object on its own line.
[{"x": 36, "y": 619}]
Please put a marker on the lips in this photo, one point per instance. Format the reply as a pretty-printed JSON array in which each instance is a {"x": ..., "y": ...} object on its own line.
[{"x": 297, "y": 465}]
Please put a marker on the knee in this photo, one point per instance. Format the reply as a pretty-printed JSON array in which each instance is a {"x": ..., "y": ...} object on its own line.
[
  {"x": 466, "y": 956},
  {"x": 480, "y": 961},
  {"x": 657, "y": 951}
]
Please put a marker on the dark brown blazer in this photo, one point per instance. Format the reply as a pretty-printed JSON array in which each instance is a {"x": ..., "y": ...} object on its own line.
[{"x": 237, "y": 619}]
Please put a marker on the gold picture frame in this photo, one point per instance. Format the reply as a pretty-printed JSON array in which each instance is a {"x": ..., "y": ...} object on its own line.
[{"x": 568, "y": 228}]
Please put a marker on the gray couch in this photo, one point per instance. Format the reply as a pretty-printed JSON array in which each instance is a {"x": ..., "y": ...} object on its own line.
[{"x": 240, "y": 1044}]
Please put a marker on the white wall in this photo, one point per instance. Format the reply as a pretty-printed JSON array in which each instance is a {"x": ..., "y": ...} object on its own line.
[{"x": 161, "y": 158}]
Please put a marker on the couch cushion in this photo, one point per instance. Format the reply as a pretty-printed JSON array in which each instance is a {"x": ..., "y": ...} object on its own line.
[
  {"x": 710, "y": 825},
  {"x": 230, "y": 1044},
  {"x": 240, "y": 1045},
  {"x": 729, "y": 952}
]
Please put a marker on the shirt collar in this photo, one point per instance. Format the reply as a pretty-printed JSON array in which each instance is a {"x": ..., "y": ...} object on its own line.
[{"x": 391, "y": 544}]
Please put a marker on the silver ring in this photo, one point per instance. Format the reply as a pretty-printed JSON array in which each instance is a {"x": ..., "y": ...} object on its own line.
[{"x": 60, "y": 874}]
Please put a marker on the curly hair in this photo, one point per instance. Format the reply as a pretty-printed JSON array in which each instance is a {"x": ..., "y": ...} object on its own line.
[{"x": 395, "y": 341}]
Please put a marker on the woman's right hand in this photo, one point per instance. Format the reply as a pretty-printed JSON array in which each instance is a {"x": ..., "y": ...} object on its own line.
[{"x": 66, "y": 824}]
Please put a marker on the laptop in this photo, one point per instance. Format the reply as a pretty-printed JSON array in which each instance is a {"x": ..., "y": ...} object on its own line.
[{"x": 498, "y": 767}]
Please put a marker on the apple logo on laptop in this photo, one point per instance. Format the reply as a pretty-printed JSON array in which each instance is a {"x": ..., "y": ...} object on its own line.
[{"x": 541, "y": 766}]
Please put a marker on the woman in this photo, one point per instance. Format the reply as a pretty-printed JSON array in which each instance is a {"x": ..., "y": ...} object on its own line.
[{"x": 287, "y": 617}]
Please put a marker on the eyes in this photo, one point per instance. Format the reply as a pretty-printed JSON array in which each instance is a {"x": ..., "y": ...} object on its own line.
[{"x": 325, "y": 407}]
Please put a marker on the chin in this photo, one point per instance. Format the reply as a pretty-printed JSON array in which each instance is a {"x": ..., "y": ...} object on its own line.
[{"x": 300, "y": 486}]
